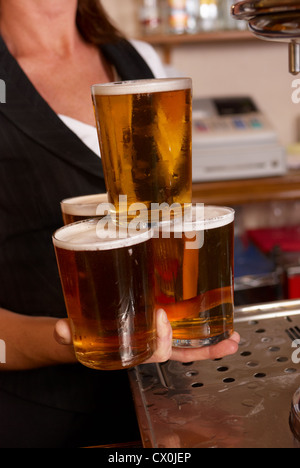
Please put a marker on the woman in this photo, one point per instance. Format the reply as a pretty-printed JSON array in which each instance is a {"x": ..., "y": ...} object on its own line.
[{"x": 50, "y": 54}]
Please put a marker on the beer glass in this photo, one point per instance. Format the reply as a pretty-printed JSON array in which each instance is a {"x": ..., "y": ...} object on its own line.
[
  {"x": 193, "y": 268},
  {"x": 80, "y": 208},
  {"x": 145, "y": 135},
  {"x": 108, "y": 290}
]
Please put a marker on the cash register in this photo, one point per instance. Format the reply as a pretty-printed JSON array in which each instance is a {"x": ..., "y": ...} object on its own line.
[{"x": 233, "y": 139}]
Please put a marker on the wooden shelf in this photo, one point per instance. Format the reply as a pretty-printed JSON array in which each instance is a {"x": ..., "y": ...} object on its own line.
[
  {"x": 239, "y": 192},
  {"x": 169, "y": 41},
  {"x": 203, "y": 37}
]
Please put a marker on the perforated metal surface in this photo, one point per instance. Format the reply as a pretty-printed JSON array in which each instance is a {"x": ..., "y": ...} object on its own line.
[{"x": 239, "y": 401}]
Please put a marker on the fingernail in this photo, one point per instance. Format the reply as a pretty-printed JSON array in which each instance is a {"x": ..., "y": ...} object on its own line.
[{"x": 164, "y": 316}]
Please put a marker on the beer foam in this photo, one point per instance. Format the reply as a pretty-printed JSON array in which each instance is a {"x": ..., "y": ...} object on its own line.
[
  {"x": 199, "y": 218},
  {"x": 217, "y": 216},
  {"x": 141, "y": 86},
  {"x": 81, "y": 206},
  {"x": 90, "y": 235}
]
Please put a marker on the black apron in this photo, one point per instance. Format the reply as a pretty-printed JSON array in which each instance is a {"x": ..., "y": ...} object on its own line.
[{"x": 42, "y": 162}]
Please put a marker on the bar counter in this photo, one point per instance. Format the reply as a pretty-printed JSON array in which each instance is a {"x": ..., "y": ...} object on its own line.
[
  {"x": 240, "y": 401},
  {"x": 236, "y": 192}
]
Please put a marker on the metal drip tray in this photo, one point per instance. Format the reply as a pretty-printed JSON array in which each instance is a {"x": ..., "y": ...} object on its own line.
[{"x": 241, "y": 401}]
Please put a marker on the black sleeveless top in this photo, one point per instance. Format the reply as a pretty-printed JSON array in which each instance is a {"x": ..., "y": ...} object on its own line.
[{"x": 41, "y": 163}]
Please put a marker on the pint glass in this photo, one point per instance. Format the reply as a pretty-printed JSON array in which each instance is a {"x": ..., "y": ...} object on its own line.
[
  {"x": 80, "y": 208},
  {"x": 193, "y": 264},
  {"x": 108, "y": 290},
  {"x": 145, "y": 136}
]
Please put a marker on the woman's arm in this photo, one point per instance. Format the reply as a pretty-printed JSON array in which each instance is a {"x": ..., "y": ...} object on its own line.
[
  {"x": 33, "y": 342},
  {"x": 30, "y": 343}
]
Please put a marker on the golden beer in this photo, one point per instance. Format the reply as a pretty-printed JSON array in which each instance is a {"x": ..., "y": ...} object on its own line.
[
  {"x": 145, "y": 135},
  {"x": 109, "y": 294},
  {"x": 80, "y": 208},
  {"x": 193, "y": 265}
]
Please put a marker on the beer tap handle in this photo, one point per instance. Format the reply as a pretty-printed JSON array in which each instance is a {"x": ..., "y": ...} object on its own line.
[
  {"x": 294, "y": 57},
  {"x": 274, "y": 20}
]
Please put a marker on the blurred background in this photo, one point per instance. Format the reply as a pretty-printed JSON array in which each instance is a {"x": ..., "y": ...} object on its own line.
[{"x": 222, "y": 63}]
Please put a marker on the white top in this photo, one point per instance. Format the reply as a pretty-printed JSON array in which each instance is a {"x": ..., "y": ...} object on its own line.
[{"x": 88, "y": 133}]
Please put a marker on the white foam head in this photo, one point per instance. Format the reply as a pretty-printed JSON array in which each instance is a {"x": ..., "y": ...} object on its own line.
[
  {"x": 81, "y": 206},
  {"x": 199, "y": 218},
  {"x": 217, "y": 216},
  {"x": 95, "y": 235},
  {"x": 141, "y": 86}
]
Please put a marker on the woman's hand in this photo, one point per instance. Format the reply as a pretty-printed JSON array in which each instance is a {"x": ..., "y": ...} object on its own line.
[{"x": 164, "y": 350}]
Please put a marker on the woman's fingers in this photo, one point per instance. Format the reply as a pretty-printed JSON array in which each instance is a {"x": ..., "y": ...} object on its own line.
[
  {"x": 165, "y": 351},
  {"x": 164, "y": 338},
  {"x": 222, "y": 349}
]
